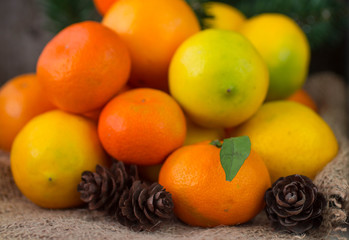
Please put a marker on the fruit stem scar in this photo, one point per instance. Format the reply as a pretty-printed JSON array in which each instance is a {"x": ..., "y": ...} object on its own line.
[
  {"x": 228, "y": 90},
  {"x": 143, "y": 100},
  {"x": 50, "y": 179}
]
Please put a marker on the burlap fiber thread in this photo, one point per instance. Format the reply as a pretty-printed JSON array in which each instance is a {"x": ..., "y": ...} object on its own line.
[{"x": 20, "y": 219}]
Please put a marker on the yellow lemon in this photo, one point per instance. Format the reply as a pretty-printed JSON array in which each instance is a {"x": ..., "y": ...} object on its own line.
[
  {"x": 196, "y": 134},
  {"x": 284, "y": 47},
  {"x": 49, "y": 155},
  {"x": 223, "y": 16},
  {"x": 218, "y": 78},
  {"x": 290, "y": 138}
]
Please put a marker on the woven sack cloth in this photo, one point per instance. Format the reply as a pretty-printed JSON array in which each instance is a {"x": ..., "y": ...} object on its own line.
[{"x": 20, "y": 219}]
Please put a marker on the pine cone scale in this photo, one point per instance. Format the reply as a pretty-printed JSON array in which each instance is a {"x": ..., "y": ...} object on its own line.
[
  {"x": 97, "y": 178},
  {"x": 279, "y": 211},
  {"x": 287, "y": 222},
  {"x": 302, "y": 217},
  {"x": 165, "y": 206},
  {"x": 86, "y": 197},
  {"x": 300, "y": 202},
  {"x": 306, "y": 226},
  {"x": 319, "y": 204},
  {"x": 142, "y": 218},
  {"x": 161, "y": 214},
  {"x": 119, "y": 172},
  {"x": 156, "y": 190},
  {"x": 293, "y": 211},
  {"x": 126, "y": 206},
  {"x": 137, "y": 202},
  {"x": 310, "y": 197},
  {"x": 162, "y": 204},
  {"x": 281, "y": 201},
  {"x": 150, "y": 203},
  {"x": 110, "y": 207},
  {"x": 150, "y": 216},
  {"x": 142, "y": 198}
]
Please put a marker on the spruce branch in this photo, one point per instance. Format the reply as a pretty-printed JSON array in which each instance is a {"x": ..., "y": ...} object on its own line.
[
  {"x": 323, "y": 21},
  {"x": 62, "y": 13},
  {"x": 198, "y": 7}
]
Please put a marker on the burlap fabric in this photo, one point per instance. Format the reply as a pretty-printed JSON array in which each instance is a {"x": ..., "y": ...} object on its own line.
[{"x": 20, "y": 219}]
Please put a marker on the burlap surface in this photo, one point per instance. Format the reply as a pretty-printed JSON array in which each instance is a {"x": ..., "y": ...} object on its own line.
[{"x": 20, "y": 219}]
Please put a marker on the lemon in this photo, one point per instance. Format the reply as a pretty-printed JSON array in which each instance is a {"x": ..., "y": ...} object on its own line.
[
  {"x": 196, "y": 134},
  {"x": 291, "y": 139},
  {"x": 218, "y": 78},
  {"x": 49, "y": 155},
  {"x": 284, "y": 47},
  {"x": 223, "y": 16}
]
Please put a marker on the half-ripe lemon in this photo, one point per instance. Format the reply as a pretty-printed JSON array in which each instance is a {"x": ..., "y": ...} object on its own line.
[
  {"x": 49, "y": 155},
  {"x": 218, "y": 78}
]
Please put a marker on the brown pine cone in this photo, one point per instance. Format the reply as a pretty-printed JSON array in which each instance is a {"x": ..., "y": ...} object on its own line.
[
  {"x": 144, "y": 207},
  {"x": 102, "y": 189},
  {"x": 293, "y": 203}
]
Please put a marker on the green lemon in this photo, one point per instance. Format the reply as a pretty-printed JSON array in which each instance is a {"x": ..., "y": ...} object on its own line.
[
  {"x": 285, "y": 49},
  {"x": 218, "y": 78}
]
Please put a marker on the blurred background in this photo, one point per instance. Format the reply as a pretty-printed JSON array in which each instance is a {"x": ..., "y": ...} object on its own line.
[{"x": 27, "y": 25}]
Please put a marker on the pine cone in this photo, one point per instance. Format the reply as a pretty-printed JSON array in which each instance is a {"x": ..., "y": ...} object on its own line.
[
  {"x": 103, "y": 188},
  {"x": 144, "y": 207},
  {"x": 294, "y": 204}
]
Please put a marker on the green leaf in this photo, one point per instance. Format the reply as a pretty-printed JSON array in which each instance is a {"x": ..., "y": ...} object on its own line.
[
  {"x": 233, "y": 154},
  {"x": 216, "y": 143}
]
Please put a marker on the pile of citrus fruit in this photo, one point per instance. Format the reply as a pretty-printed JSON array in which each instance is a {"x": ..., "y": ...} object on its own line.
[{"x": 147, "y": 86}]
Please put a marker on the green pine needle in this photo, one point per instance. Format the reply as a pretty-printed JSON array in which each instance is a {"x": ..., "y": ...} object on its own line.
[
  {"x": 323, "y": 21},
  {"x": 198, "y": 7},
  {"x": 62, "y": 13}
]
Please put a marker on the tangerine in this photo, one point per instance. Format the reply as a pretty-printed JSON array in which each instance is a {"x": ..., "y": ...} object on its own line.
[
  {"x": 301, "y": 96},
  {"x": 21, "y": 99},
  {"x": 142, "y": 126},
  {"x": 103, "y": 6},
  {"x": 152, "y": 30},
  {"x": 83, "y": 67},
  {"x": 202, "y": 196}
]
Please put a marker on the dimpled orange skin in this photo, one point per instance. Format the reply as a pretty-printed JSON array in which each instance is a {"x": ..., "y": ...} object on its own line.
[
  {"x": 103, "y": 5},
  {"x": 142, "y": 126},
  {"x": 21, "y": 99},
  {"x": 301, "y": 96},
  {"x": 83, "y": 67},
  {"x": 201, "y": 195},
  {"x": 152, "y": 30}
]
